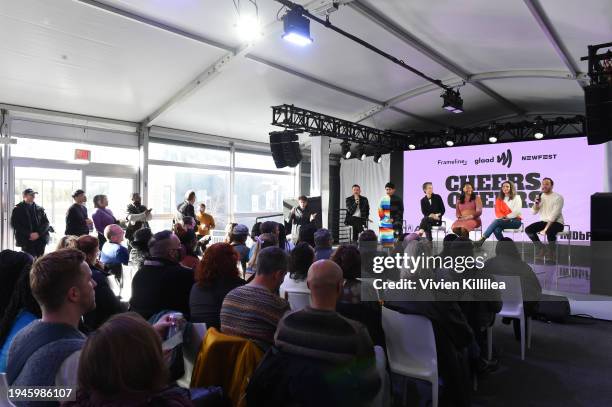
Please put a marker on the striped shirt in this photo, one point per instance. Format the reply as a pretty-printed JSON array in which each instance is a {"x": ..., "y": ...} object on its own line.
[{"x": 252, "y": 311}]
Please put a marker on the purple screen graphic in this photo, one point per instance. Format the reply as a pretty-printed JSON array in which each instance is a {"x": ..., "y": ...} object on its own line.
[{"x": 576, "y": 168}]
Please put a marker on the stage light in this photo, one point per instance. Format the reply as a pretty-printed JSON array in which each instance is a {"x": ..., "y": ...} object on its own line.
[
  {"x": 452, "y": 101},
  {"x": 361, "y": 152},
  {"x": 296, "y": 27},
  {"x": 411, "y": 146},
  {"x": 538, "y": 135},
  {"x": 539, "y": 127},
  {"x": 378, "y": 158},
  {"x": 450, "y": 143},
  {"x": 249, "y": 29},
  {"x": 492, "y": 139},
  {"x": 346, "y": 149}
]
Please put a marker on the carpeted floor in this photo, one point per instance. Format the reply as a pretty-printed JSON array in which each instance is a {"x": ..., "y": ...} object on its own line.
[{"x": 568, "y": 365}]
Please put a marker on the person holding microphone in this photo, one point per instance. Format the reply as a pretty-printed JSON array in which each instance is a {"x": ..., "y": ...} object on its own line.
[{"x": 357, "y": 212}]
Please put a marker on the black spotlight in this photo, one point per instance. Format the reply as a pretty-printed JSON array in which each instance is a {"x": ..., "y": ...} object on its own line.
[
  {"x": 539, "y": 128},
  {"x": 285, "y": 149},
  {"x": 346, "y": 149},
  {"x": 452, "y": 101},
  {"x": 361, "y": 152},
  {"x": 378, "y": 158}
]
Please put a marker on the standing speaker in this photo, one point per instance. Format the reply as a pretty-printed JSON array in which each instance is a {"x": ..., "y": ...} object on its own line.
[
  {"x": 598, "y": 101},
  {"x": 285, "y": 149}
]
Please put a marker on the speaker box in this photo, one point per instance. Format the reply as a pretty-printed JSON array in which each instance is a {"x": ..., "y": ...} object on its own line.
[
  {"x": 598, "y": 101},
  {"x": 601, "y": 221},
  {"x": 285, "y": 149}
]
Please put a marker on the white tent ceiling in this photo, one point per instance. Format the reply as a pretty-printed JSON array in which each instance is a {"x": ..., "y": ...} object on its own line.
[{"x": 88, "y": 57}]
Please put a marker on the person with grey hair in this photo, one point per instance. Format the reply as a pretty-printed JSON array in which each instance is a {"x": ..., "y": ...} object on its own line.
[
  {"x": 161, "y": 283},
  {"x": 113, "y": 253},
  {"x": 186, "y": 207},
  {"x": 323, "y": 244}
]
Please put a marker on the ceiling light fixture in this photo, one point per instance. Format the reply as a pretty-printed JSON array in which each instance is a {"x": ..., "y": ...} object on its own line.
[
  {"x": 411, "y": 146},
  {"x": 452, "y": 101},
  {"x": 539, "y": 128},
  {"x": 361, "y": 152},
  {"x": 249, "y": 29},
  {"x": 346, "y": 149},
  {"x": 378, "y": 158},
  {"x": 296, "y": 27}
]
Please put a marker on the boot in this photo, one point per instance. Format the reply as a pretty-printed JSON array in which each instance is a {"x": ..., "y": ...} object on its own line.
[{"x": 478, "y": 243}]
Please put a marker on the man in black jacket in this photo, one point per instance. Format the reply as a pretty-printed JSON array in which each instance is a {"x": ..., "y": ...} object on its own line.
[
  {"x": 30, "y": 225},
  {"x": 433, "y": 209},
  {"x": 77, "y": 222},
  {"x": 357, "y": 212},
  {"x": 300, "y": 215},
  {"x": 137, "y": 216}
]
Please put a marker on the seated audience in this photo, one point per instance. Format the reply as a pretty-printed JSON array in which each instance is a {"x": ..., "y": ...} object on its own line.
[
  {"x": 264, "y": 240},
  {"x": 162, "y": 283},
  {"x": 283, "y": 243},
  {"x": 307, "y": 234},
  {"x": 140, "y": 247},
  {"x": 63, "y": 286},
  {"x": 323, "y": 244},
  {"x": 12, "y": 265},
  {"x": 216, "y": 275},
  {"x": 113, "y": 253},
  {"x": 189, "y": 242},
  {"x": 21, "y": 310},
  {"x": 320, "y": 358},
  {"x": 67, "y": 242},
  {"x": 238, "y": 238},
  {"x": 107, "y": 304},
  {"x": 255, "y": 232},
  {"x": 253, "y": 310},
  {"x": 300, "y": 259},
  {"x": 122, "y": 364}
]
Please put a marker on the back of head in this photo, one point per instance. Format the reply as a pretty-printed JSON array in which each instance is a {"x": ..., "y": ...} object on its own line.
[
  {"x": 53, "y": 275},
  {"x": 112, "y": 231},
  {"x": 123, "y": 358},
  {"x": 269, "y": 227},
  {"x": 161, "y": 244},
  {"x": 219, "y": 260},
  {"x": 88, "y": 245},
  {"x": 270, "y": 260},
  {"x": 348, "y": 258},
  {"x": 507, "y": 247},
  {"x": 306, "y": 234},
  {"x": 302, "y": 257},
  {"x": 256, "y": 230},
  {"x": 141, "y": 239},
  {"x": 324, "y": 277},
  {"x": 462, "y": 247},
  {"x": 67, "y": 242},
  {"x": 12, "y": 265},
  {"x": 268, "y": 240},
  {"x": 323, "y": 238}
]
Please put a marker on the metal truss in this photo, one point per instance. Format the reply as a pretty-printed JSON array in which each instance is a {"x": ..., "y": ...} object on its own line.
[{"x": 317, "y": 124}]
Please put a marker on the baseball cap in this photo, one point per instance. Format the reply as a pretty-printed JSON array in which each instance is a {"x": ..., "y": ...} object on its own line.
[
  {"x": 77, "y": 193},
  {"x": 29, "y": 191},
  {"x": 240, "y": 230}
]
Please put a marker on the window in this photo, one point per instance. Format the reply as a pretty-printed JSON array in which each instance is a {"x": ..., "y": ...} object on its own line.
[
  {"x": 189, "y": 154},
  {"x": 261, "y": 192},
  {"x": 258, "y": 162},
  {"x": 64, "y": 151},
  {"x": 167, "y": 187}
]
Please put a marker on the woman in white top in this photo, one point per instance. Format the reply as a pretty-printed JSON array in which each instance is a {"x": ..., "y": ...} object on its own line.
[
  {"x": 302, "y": 257},
  {"x": 508, "y": 206}
]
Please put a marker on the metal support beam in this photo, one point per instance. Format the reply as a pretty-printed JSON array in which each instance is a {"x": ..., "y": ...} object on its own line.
[
  {"x": 5, "y": 193},
  {"x": 143, "y": 167},
  {"x": 551, "y": 34},
  {"x": 429, "y": 52}
]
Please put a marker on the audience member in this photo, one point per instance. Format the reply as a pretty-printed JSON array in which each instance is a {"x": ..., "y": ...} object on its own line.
[
  {"x": 137, "y": 216},
  {"x": 216, "y": 275},
  {"x": 255, "y": 232},
  {"x": 113, "y": 253},
  {"x": 21, "y": 310},
  {"x": 122, "y": 364},
  {"x": 307, "y": 233},
  {"x": 77, "y": 222},
  {"x": 253, "y": 310},
  {"x": 102, "y": 217},
  {"x": 238, "y": 239},
  {"x": 107, "y": 304},
  {"x": 162, "y": 283},
  {"x": 67, "y": 242},
  {"x": 63, "y": 286},
  {"x": 323, "y": 244},
  {"x": 140, "y": 247},
  {"x": 12, "y": 265},
  {"x": 320, "y": 358},
  {"x": 30, "y": 225},
  {"x": 264, "y": 240},
  {"x": 188, "y": 240},
  {"x": 283, "y": 243},
  {"x": 301, "y": 258}
]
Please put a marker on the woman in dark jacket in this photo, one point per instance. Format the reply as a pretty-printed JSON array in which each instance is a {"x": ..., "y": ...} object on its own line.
[{"x": 216, "y": 275}]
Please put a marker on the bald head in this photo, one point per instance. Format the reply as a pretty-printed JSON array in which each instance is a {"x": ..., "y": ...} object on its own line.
[
  {"x": 113, "y": 233},
  {"x": 325, "y": 283}
]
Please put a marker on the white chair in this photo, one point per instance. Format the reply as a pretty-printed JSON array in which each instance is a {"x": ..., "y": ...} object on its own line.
[
  {"x": 411, "y": 346},
  {"x": 4, "y": 400},
  {"x": 512, "y": 298},
  {"x": 383, "y": 398},
  {"x": 190, "y": 352},
  {"x": 476, "y": 231},
  {"x": 438, "y": 229},
  {"x": 567, "y": 233},
  {"x": 297, "y": 300}
]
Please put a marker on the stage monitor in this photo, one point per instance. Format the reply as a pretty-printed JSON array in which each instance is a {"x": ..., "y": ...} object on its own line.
[{"x": 576, "y": 168}]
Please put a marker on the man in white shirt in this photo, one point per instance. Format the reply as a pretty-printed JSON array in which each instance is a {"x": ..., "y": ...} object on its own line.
[{"x": 549, "y": 206}]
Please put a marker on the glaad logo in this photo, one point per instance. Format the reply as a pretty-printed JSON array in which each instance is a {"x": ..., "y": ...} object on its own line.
[{"x": 505, "y": 158}]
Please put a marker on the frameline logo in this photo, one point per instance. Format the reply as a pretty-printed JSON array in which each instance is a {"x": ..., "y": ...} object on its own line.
[{"x": 505, "y": 158}]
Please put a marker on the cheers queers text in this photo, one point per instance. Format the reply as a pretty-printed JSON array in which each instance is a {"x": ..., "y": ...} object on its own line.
[{"x": 487, "y": 186}]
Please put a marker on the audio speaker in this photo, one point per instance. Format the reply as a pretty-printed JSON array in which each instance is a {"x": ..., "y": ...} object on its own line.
[
  {"x": 598, "y": 101},
  {"x": 285, "y": 149},
  {"x": 601, "y": 221}
]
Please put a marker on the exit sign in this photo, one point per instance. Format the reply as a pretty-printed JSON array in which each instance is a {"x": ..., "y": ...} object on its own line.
[{"x": 82, "y": 155}]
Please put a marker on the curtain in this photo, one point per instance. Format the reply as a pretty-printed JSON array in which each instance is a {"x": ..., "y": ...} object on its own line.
[{"x": 371, "y": 177}]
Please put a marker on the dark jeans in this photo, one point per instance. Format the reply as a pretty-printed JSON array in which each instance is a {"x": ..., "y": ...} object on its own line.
[
  {"x": 426, "y": 224},
  {"x": 358, "y": 224},
  {"x": 551, "y": 234},
  {"x": 35, "y": 248},
  {"x": 498, "y": 225}
]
